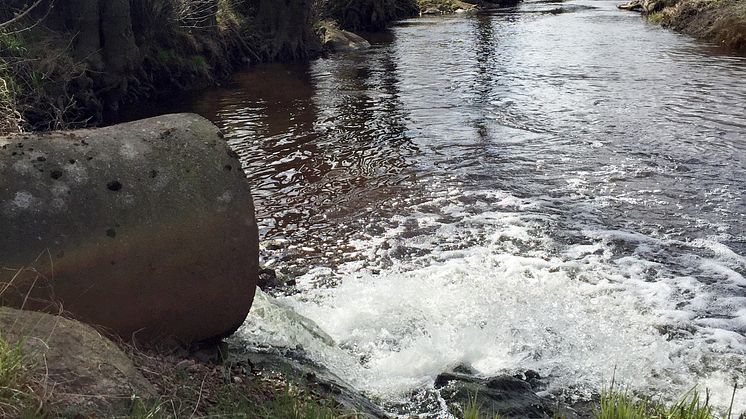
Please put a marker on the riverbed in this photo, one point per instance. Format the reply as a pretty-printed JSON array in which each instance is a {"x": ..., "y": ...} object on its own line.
[{"x": 555, "y": 187}]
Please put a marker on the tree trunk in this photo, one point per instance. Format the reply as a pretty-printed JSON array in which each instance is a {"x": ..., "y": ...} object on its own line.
[{"x": 286, "y": 27}]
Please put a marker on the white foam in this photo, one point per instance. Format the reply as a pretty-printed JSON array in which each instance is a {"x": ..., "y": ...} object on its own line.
[{"x": 518, "y": 300}]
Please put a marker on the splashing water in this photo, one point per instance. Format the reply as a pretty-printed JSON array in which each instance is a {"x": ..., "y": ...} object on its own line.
[{"x": 556, "y": 187}]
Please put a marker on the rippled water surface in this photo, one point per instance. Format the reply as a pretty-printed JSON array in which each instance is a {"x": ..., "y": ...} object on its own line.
[{"x": 556, "y": 187}]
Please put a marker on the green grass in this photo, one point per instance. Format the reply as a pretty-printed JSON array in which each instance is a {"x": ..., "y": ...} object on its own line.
[
  {"x": 17, "y": 398},
  {"x": 287, "y": 404},
  {"x": 12, "y": 45},
  {"x": 234, "y": 404},
  {"x": 291, "y": 406},
  {"x": 615, "y": 404},
  {"x": 623, "y": 405},
  {"x": 473, "y": 410}
]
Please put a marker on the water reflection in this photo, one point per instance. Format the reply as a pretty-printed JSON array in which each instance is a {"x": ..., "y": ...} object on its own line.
[{"x": 319, "y": 142}]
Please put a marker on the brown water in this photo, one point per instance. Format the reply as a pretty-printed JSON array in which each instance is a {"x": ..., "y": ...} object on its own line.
[{"x": 557, "y": 186}]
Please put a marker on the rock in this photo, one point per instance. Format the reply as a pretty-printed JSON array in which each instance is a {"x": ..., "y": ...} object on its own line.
[
  {"x": 634, "y": 5},
  {"x": 268, "y": 279},
  {"x": 507, "y": 396},
  {"x": 647, "y": 6},
  {"x": 306, "y": 374},
  {"x": 86, "y": 374},
  {"x": 533, "y": 378},
  {"x": 145, "y": 228},
  {"x": 441, "y": 7},
  {"x": 337, "y": 40},
  {"x": 499, "y": 3}
]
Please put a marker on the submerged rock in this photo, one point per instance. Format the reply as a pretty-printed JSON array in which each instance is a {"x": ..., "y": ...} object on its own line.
[
  {"x": 83, "y": 372},
  {"x": 337, "y": 40},
  {"x": 145, "y": 228},
  {"x": 510, "y": 397},
  {"x": 308, "y": 374}
]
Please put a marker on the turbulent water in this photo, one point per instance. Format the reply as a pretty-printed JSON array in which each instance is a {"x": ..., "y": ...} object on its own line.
[{"x": 556, "y": 187}]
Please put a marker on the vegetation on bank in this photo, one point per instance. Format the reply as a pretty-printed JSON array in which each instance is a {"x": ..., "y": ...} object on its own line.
[
  {"x": 622, "y": 405},
  {"x": 368, "y": 15},
  {"x": 190, "y": 387},
  {"x": 615, "y": 404},
  {"x": 17, "y": 395},
  {"x": 68, "y": 64},
  {"x": 185, "y": 388},
  {"x": 720, "y": 21}
]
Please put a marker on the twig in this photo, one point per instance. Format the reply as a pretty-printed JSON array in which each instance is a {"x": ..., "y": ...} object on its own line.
[
  {"x": 732, "y": 399},
  {"x": 20, "y": 16},
  {"x": 199, "y": 398}
]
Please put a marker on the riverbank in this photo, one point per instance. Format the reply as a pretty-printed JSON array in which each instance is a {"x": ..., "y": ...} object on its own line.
[
  {"x": 69, "y": 65},
  {"x": 720, "y": 21},
  {"x": 57, "y": 367},
  {"x": 228, "y": 381},
  {"x": 66, "y": 66}
]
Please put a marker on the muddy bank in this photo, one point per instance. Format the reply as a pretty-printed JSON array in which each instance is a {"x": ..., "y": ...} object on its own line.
[{"x": 719, "y": 21}]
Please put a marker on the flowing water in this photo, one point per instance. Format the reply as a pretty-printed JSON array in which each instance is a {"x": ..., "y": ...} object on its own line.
[{"x": 556, "y": 187}]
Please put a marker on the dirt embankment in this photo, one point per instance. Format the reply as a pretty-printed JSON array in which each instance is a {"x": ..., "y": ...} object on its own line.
[{"x": 719, "y": 21}]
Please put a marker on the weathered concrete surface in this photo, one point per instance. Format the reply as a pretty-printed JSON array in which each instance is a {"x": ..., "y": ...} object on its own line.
[
  {"x": 76, "y": 368},
  {"x": 144, "y": 228}
]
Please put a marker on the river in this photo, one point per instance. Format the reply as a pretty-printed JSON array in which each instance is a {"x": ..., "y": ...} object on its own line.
[{"x": 556, "y": 187}]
